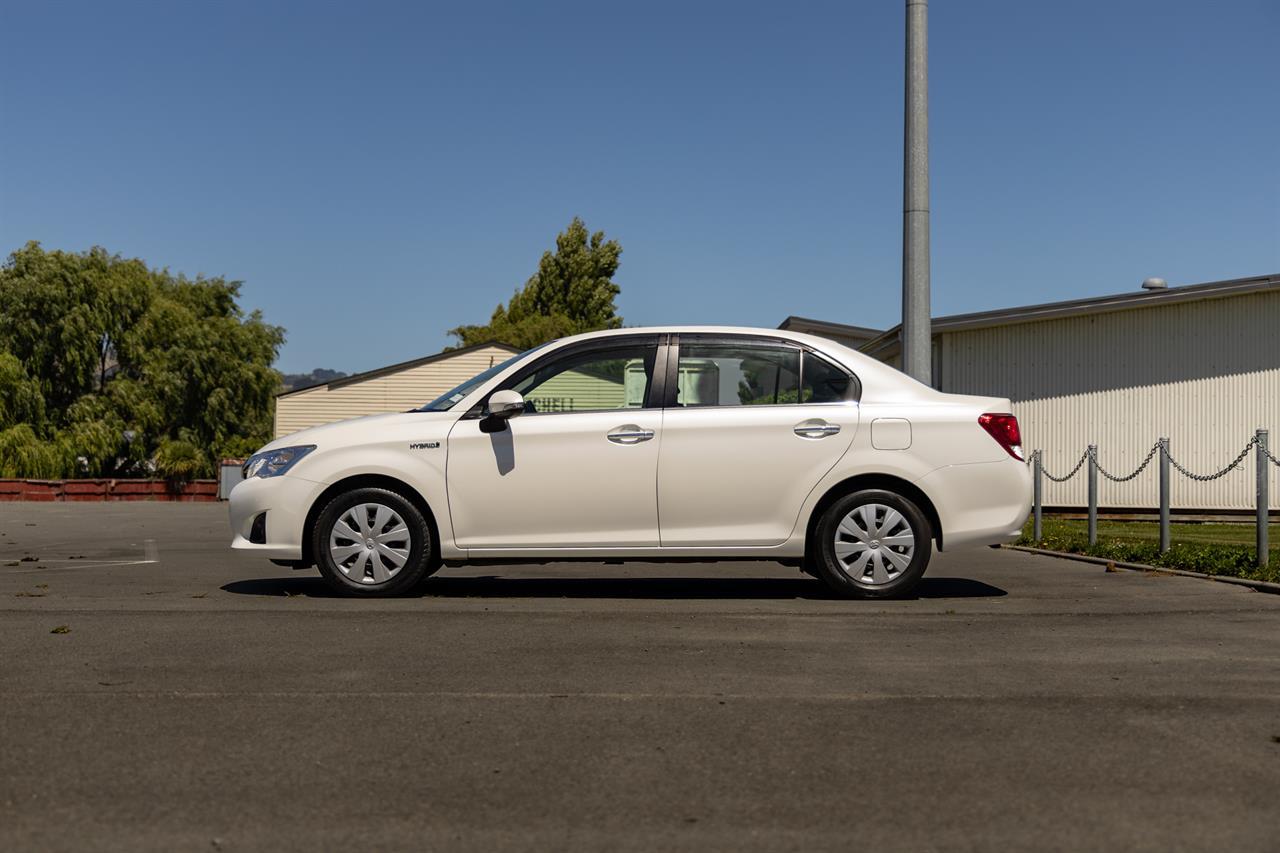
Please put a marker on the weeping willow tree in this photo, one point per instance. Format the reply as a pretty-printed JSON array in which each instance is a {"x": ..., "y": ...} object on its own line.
[{"x": 109, "y": 368}]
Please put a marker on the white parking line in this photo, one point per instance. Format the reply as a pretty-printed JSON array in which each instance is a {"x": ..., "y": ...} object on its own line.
[
  {"x": 150, "y": 551},
  {"x": 78, "y": 564}
]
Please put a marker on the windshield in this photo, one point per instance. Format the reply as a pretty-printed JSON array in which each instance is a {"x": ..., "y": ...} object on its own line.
[{"x": 450, "y": 398}]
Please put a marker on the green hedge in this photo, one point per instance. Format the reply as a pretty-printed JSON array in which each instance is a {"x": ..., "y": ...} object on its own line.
[{"x": 1210, "y": 558}]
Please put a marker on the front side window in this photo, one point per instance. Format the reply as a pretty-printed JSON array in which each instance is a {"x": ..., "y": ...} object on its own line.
[
  {"x": 737, "y": 374},
  {"x": 593, "y": 380}
]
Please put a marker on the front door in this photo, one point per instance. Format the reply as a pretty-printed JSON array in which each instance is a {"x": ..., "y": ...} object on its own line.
[
  {"x": 755, "y": 424},
  {"x": 578, "y": 469}
]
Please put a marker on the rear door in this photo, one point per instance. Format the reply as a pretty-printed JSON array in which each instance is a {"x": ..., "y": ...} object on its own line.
[{"x": 751, "y": 426}]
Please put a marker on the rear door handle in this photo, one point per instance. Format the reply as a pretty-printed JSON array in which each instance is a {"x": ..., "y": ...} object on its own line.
[
  {"x": 816, "y": 429},
  {"x": 629, "y": 434}
]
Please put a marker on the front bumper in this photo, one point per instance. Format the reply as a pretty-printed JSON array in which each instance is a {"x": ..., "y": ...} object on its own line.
[{"x": 285, "y": 500}]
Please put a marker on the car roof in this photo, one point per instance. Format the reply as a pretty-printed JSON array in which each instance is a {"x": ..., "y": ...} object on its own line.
[{"x": 782, "y": 334}]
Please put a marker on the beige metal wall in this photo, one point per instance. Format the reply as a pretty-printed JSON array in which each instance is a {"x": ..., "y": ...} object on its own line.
[
  {"x": 1206, "y": 374},
  {"x": 394, "y": 392}
]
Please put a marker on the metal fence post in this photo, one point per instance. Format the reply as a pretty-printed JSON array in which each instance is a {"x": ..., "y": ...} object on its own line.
[
  {"x": 1037, "y": 528},
  {"x": 1093, "y": 495},
  {"x": 1164, "y": 495},
  {"x": 1260, "y": 450}
]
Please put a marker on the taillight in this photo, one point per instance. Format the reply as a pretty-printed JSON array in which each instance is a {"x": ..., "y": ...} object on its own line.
[{"x": 1004, "y": 429}]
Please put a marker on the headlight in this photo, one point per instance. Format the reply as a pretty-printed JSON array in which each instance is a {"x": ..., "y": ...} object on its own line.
[{"x": 273, "y": 463}]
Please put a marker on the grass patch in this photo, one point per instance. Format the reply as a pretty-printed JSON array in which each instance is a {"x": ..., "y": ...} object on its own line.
[{"x": 1214, "y": 549}]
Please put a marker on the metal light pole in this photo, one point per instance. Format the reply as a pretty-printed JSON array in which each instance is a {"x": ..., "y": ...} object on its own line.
[
  {"x": 1165, "y": 538},
  {"x": 1260, "y": 451},
  {"x": 917, "y": 340}
]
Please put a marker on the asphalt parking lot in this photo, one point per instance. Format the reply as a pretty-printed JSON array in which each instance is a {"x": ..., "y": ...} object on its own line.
[{"x": 193, "y": 699}]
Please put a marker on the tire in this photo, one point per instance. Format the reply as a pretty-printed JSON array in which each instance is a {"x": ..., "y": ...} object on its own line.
[
  {"x": 863, "y": 549},
  {"x": 352, "y": 522}
]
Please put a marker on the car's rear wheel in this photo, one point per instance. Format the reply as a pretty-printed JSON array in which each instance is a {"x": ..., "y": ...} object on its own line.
[
  {"x": 372, "y": 542},
  {"x": 872, "y": 544}
]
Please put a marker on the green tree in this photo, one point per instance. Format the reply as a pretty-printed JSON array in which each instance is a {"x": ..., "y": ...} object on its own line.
[
  {"x": 104, "y": 361},
  {"x": 20, "y": 397},
  {"x": 572, "y": 292},
  {"x": 62, "y": 315}
]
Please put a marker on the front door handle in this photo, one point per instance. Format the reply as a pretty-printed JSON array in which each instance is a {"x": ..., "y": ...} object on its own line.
[
  {"x": 816, "y": 429},
  {"x": 629, "y": 434}
]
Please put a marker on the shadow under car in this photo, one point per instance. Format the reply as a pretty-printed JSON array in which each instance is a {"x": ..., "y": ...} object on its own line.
[{"x": 658, "y": 588}]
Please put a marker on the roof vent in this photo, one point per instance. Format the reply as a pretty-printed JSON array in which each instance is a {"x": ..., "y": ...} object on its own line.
[{"x": 1155, "y": 284}]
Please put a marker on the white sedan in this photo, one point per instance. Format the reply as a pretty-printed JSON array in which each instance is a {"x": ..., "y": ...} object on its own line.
[{"x": 702, "y": 443}]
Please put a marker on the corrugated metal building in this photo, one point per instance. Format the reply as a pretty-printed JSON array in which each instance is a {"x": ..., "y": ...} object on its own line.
[
  {"x": 850, "y": 336},
  {"x": 1199, "y": 364},
  {"x": 396, "y": 388}
]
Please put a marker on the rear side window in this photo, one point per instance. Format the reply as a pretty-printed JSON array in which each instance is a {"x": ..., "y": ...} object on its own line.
[
  {"x": 737, "y": 374},
  {"x": 823, "y": 382}
]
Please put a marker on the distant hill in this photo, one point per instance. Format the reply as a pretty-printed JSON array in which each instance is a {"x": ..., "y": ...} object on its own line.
[{"x": 315, "y": 377}]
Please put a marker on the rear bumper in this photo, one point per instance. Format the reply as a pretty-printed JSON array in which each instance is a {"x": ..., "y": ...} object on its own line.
[
  {"x": 984, "y": 503},
  {"x": 286, "y": 501}
]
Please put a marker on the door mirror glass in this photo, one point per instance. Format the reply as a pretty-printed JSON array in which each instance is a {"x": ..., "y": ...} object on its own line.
[{"x": 505, "y": 404}]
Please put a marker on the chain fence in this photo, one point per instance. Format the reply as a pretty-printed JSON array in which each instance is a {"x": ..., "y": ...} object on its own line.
[
  {"x": 1258, "y": 444},
  {"x": 1092, "y": 453},
  {"x": 1267, "y": 453},
  {"x": 1235, "y": 463},
  {"x": 1083, "y": 458}
]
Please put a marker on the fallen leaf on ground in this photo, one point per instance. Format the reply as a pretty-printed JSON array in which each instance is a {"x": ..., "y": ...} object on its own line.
[{"x": 61, "y": 629}]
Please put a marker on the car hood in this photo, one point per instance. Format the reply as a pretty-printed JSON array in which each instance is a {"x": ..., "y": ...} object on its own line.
[{"x": 359, "y": 430}]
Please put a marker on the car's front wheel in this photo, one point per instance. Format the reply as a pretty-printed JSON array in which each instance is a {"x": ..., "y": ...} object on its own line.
[
  {"x": 372, "y": 542},
  {"x": 872, "y": 544}
]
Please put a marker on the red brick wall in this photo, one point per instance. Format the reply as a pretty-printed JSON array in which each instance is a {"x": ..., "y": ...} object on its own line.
[{"x": 106, "y": 490}]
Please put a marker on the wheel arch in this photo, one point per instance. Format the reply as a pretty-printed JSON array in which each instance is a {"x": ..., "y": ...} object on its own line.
[
  {"x": 368, "y": 481},
  {"x": 888, "y": 482}
]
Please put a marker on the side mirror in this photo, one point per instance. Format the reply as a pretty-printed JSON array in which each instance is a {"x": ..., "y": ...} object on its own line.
[{"x": 505, "y": 404}]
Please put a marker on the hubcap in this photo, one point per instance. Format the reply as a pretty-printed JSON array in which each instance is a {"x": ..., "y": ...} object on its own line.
[
  {"x": 874, "y": 544},
  {"x": 370, "y": 543}
]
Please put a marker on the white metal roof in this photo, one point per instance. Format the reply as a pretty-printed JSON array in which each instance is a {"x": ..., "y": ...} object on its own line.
[{"x": 1075, "y": 307}]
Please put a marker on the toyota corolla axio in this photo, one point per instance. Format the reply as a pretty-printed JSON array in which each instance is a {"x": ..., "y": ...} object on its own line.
[{"x": 683, "y": 443}]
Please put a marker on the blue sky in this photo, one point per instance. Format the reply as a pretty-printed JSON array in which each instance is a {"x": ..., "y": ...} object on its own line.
[{"x": 377, "y": 173}]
